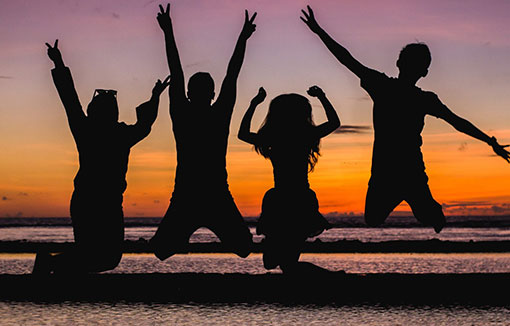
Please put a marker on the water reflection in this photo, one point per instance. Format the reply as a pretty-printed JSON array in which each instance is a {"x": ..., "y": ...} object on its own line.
[
  {"x": 82, "y": 313},
  {"x": 351, "y": 263},
  {"x": 65, "y": 234}
]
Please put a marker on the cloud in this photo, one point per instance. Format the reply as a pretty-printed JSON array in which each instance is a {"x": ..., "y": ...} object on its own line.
[
  {"x": 5, "y": 198},
  {"x": 476, "y": 207},
  {"x": 193, "y": 64},
  {"x": 18, "y": 214},
  {"x": 465, "y": 204},
  {"x": 6, "y": 77},
  {"x": 156, "y": 201},
  {"x": 499, "y": 209},
  {"x": 115, "y": 15},
  {"x": 352, "y": 129},
  {"x": 463, "y": 146},
  {"x": 23, "y": 194}
]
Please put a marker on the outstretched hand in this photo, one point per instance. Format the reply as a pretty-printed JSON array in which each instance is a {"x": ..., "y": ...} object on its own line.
[
  {"x": 315, "y": 91},
  {"x": 309, "y": 20},
  {"x": 163, "y": 17},
  {"x": 260, "y": 97},
  {"x": 54, "y": 53},
  {"x": 500, "y": 149},
  {"x": 248, "y": 27},
  {"x": 160, "y": 86}
]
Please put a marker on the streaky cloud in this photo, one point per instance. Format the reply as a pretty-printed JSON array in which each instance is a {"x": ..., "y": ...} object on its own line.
[{"x": 352, "y": 129}]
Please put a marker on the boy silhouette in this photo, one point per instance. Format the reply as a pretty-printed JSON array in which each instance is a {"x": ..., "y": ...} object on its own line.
[
  {"x": 201, "y": 197},
  {"x": 103, "y": 146},
  {"x": 400, "y": 107}
]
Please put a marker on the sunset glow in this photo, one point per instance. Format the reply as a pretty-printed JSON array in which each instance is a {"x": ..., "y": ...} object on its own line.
[{"x": 120, "y": 46}]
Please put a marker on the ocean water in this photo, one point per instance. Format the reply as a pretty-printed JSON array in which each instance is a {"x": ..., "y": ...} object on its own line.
[
  {"x": 412, "y": 263},
  {"x": 229, "y": 263},
  {"x": 141, "y": 314},
  {"x": 464, "y": 234}
]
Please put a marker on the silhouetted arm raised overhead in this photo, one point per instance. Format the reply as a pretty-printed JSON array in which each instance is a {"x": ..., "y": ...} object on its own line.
[
  {"x": 147, "y": 112},
  {"x": 65, "y": 87},
  {"x": 177, "y": 90},
  {"x": 341, "y": 53},
  {"x": 442, "y": 111},
  {"x": 333, "y": 122},
  {"x": 227, "y": 97},
  {"x": 244, "y": 133}
]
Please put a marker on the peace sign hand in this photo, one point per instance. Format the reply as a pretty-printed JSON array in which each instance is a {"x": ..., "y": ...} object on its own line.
[
  {"x": 54, "y": 53},
  {"x": 249, "y": 26},
  {"x": 163, "y": 17},
  {"x": 160, "y": 86},
  {"x": 309, "y": 20}
]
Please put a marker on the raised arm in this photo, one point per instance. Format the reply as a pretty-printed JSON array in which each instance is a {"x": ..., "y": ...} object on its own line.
[
  {"x": 341, "y": 53},
  {"x": 63, "y": 81},
  {"x": 177, "y": 89},
  {"x": 227, "y": 97},
  {"x": 147, "y": 112},
  {"x": 244, "y": 130},
  {"x": 468, "y": 128},
  {"x": 333, "y": 122}
]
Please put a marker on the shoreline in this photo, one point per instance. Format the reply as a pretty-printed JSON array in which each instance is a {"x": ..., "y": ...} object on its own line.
[{"x": 317, "y": 246}]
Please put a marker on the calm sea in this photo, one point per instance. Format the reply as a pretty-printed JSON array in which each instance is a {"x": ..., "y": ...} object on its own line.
[
  {"x": 141, "y": 314},
  {"x": 59, "y": 230},
  {"x": 124, "y": 313}
]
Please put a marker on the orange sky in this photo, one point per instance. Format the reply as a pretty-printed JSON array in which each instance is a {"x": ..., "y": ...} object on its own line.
[{"x": 108, "y": 46}]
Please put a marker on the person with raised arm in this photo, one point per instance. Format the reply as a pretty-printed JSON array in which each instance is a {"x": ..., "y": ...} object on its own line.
[
  {"x": 290, "y": 140},
  {"x": 201, "y": 195},
  {"x": 400, "y": 107},
  {"x": 103, "y": 146}
]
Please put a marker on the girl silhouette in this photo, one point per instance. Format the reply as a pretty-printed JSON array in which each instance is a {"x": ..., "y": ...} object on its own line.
[{"x": 290, "y": 139}]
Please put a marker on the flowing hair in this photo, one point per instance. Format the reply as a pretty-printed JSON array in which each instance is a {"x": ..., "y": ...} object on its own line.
[{"x": 289, "y": 110}]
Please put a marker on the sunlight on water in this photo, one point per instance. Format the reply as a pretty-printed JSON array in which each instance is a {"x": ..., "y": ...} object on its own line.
[
  {"x": 65, "y": 234},
  {"x": 351, "y": 263},
  {"x": 81, "y": 313}
]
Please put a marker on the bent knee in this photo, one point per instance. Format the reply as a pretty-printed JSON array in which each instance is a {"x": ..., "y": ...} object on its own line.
[
  {"x": 244, "y": 250},
  {"x": 242, "y": 247},
  {"x": 107, "y": 261}
]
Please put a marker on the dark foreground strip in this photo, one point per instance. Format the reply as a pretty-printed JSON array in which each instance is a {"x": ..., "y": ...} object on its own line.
[
  {"x": 327, "y": 288},
  {"x": 342, "y": 246}
]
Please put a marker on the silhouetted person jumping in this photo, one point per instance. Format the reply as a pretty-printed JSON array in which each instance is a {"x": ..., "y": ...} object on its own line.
[
  {"x": 400, "y": 107},
  {"x": 290, "y": 210},
  {"x": 201, "y": 196},
  {"x": 103, "y": 146}
]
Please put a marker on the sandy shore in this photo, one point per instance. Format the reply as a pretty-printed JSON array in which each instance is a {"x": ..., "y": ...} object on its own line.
[
  {"x": 332, "y": 288},
  {"x": 342, "y": 246}
]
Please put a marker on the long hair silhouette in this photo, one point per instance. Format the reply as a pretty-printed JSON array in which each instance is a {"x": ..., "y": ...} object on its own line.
[{"x": 289, "y": 115}]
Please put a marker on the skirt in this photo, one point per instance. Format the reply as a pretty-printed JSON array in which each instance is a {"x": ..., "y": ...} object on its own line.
[{"x": 291, "y": 213}]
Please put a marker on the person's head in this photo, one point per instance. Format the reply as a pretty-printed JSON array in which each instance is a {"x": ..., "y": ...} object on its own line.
[
  {"x": 289, "y": 117},
  {"x": 414, "y": 60},
  {"x": 201, "y": 88},
  {"x": 104, "y": 108}
]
